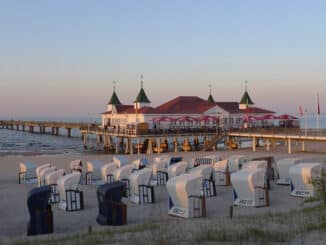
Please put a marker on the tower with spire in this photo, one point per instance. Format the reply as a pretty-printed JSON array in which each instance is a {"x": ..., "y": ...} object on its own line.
[
  {"x": 245, "y": 101},
  {"x": 141, "y": 99},
  {"x": 210, "y": 98},
  {"x": 114, "y": 100}
]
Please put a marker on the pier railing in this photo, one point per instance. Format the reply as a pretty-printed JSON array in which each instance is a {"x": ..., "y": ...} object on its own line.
[
  {"x": 134, "y": 132},
  {"x": 283, "y": 131}
]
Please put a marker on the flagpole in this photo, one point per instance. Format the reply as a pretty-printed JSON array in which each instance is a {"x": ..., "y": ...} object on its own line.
[
  {"x": 318, "y": 111},
  {"x": 305, "y": 122}
]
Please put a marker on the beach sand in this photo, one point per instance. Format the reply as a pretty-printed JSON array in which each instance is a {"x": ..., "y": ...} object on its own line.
[{"x": 14, "y": 213}]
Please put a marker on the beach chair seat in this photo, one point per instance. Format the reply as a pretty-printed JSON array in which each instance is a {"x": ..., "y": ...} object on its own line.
[
  {"x": 185, "y": 199},
  {"x": 71, "y": 199},
  {"x": 93, "y": 174},
  {"x": 302, "y": 178},
  {"x": 249, "y": 187},
  {"x": 141, "y": 191},
  {"x": 221, "y": 173},
  {"x": 283, "y": 167}
]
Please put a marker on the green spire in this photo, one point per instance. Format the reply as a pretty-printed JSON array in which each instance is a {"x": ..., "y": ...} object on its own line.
[
  {"x": 246, "y": 100},
  {"x": 114, "y": 98},
  {"x": 210, "y": 97},
  {"x": 142, "y": 97}
]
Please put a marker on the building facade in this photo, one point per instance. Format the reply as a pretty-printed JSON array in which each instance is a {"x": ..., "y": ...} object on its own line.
[{"x": 182, "y": 111}]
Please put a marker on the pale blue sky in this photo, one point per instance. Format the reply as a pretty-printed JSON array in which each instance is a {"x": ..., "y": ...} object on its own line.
[{"x": 58, "y": 58}]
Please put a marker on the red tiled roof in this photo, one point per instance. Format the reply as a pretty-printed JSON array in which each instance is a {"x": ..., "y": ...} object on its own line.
[
  {"x": 184, "y": 104},
  {"x": 233, "y": 107},
  {"x": 144, "y": 110},
  {"x": 187, "y": 105},
  {"x": 258, "y": 110},
  {"x": 123, "y": 108},
  {"x": 106, "y": 112}
]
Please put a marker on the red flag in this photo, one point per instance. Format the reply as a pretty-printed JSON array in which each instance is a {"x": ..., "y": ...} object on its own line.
[
  {"x": 318, "y": 106},
  {"x": 300, "y": 111}
]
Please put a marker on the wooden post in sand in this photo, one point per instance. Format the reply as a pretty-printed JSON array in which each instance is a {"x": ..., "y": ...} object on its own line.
[
  {"x": 268, "y": 144},
  {"x": 69, "y": 132},
  {"x": 254, "y": 144},
  {"x": 84, "y": 136},
  {"x": 116, "y": 146},
  {"x": 289, "y": 146},
  {"x": 106, "y": 143}
]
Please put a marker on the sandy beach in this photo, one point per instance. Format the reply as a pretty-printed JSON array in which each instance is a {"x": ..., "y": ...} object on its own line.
[{"x": 14, "y": 213}]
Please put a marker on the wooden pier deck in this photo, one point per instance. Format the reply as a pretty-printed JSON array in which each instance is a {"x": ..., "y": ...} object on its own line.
[
  {"x": 211, "y": 135},
  {"x": 41, "y": 125},
  {"x": 280, "y": 134}
]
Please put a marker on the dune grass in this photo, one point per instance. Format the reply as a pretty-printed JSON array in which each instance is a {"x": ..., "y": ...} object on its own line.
[{"x": 280, "y": 228}]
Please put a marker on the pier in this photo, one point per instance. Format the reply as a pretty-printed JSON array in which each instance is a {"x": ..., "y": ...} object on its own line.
[
  {"x": 287, "y": 135},
  {"x": 136, "y": 140},
  {"x": 41, "y": 126}
]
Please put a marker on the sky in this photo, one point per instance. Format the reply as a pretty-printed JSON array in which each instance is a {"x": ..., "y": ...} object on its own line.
[{"x": 59, "y": 58}]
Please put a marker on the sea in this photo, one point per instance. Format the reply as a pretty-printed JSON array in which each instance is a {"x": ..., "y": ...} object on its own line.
[{"x": 14, "y": 142}]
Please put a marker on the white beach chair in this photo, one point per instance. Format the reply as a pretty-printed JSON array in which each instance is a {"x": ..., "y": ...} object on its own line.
[
  {"x": 185, "y": 199},
  {"x": 76, "y": 165},
  {"x": 39, "y": 169},
  {"x": 120, "y": 161},
  {"x": 140, "y": 163},
  {"x": 51, "y": 179},
  {"x": 107, "y": 172},
  {"x": 207, "y": 175},
  {"x": 123, "y": 174},
  {"x": 255, "y": 165},
  {"x": 222, "y": 173},
  {"x": 160, "y": 171},
  {"x": 42, "y": 174},
  {"x": 302, "y": 176},
  {"x": 71, "y": 199},
  {"x": 177, "y": 169},
  {"x": 236, "y": 162},
  {"x": 93, "y": 174},
  {"x": 283, "y": 167},
  {"x": 141, "y": 191},
  {"x": 205, "y": 160},
  {"x": 27, "y": 173},
  {"x": 249, "y": 187}
]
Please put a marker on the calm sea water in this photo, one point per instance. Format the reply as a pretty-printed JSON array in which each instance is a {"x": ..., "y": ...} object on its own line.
[{"x": 18, "y": 142}]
